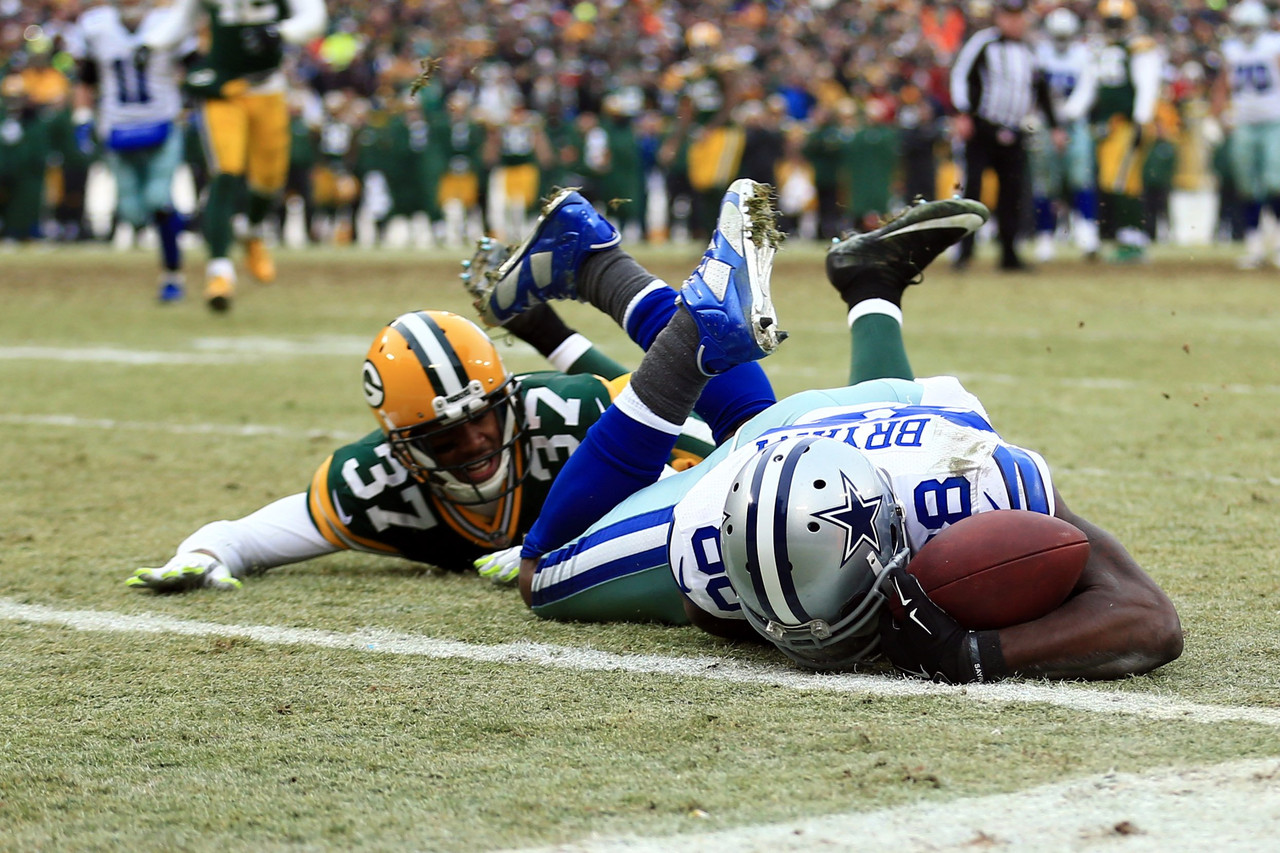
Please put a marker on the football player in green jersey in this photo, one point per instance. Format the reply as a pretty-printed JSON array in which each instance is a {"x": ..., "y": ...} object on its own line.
[
  {"x": 459, "y": 468},
  {"x": 1128, "y": 66},
  {"x": 243, "y": 117}
]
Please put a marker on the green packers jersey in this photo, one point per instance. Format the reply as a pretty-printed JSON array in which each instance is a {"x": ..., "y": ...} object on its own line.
[
  {"x": 361, "y": 498},
  {"x": 455, "y": 146},
  {"x": 238, "y": 44},
  {"x": 1116, "y": 92},
  {"x": 518, "y": 142}
]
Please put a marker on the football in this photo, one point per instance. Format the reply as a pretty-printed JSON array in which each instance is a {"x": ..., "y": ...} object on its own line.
[{"x": 1001, "y": 568}]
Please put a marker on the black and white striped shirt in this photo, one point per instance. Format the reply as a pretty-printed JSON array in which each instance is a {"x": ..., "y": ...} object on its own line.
[{"x": 995, "y": 79}]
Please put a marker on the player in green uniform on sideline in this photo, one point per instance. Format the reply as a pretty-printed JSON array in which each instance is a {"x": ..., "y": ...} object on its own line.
[
  {"x": 242, "y": 116},
  {"x": 460, "y": 467}
]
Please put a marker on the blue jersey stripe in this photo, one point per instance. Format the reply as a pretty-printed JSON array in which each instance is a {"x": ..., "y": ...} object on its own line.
[
  {"x": 611, "y": 567},
  {"x": 1009, "y": 471},
  {"x": 607, "y": 571},
  {"x": 1032, "y": 482},
  {"x": 1022, "y": 477}
]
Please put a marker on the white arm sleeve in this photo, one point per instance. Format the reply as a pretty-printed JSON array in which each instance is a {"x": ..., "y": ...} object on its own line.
[
  {"x": 1146, "y": 68},
  {"x": 280, "y": 533},
  {"x": 1082, "y": 96},
  {"x": 178, "y": 24},
  {"x": 308, "y": 20}
]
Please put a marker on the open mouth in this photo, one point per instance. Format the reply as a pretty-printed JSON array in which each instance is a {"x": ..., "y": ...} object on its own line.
[{"x": 478, "y": 472}]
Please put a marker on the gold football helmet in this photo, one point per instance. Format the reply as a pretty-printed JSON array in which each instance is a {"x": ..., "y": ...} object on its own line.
[
  {"x": 1124, "y": 10},
  {"x": 427, "y": 376}
]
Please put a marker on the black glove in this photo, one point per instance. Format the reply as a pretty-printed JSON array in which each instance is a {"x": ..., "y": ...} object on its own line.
[
  {"x": 261, "y": 40},
  {"x": 920, "y": 639}
]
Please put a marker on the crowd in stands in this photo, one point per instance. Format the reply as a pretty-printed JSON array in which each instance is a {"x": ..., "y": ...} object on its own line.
[{"x": 463, "y": 113}]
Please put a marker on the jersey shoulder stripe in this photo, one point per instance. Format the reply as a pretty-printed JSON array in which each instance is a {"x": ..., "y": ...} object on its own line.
[
  {"x": 1022, "y": 478},
  {"x": 329, "y": 519}
]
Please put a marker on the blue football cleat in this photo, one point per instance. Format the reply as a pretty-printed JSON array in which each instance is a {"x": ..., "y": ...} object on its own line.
[
  {"x": 545, "y": 265},
  {"x": 728, "y": 294},
  {"x": 170, "y": 290}
]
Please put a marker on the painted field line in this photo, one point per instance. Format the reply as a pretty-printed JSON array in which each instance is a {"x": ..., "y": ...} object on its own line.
[
  {"x": 378, "y": 641},
  {"x": 1233, "y": 806},
  {"x": 238, "y": 430},
  {"x": 212, "y": 351},
  {"x": 244, "y": 430}
]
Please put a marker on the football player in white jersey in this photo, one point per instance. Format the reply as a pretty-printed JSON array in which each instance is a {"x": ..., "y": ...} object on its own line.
[
  {"x": 138, "y": 105},
  {"x": 797, "y": 528},
  {"x": 1246, "y": 96},
  {"x": 1068, "y": 174}
]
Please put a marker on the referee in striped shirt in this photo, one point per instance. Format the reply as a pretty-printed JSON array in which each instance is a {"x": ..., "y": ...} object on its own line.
[{"x": 994, "y": 88}]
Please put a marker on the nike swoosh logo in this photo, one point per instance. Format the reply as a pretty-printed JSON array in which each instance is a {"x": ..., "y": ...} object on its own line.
[
  {"x": 902, "y": 598},
  {"x": 337, "y": 505},
  {"x": 916, "y": 619}
]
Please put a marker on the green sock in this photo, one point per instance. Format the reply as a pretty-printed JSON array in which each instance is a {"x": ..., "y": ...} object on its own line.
[
  {"x": 1129, "y": 212},
  {"x": 259, "y": 206},
  {"x": 218, "y": 211},
  {"x": 878, "y": 350},
  {"x": 595, "y": 362}
]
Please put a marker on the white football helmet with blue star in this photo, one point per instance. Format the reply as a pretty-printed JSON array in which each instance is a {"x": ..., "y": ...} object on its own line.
[{"x": 810, "y": 527}]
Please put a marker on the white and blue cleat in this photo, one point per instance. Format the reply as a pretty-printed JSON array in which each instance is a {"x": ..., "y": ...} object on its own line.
[
  {"x": 545, "y": 265},
  {"x": 728, "y": 294}
]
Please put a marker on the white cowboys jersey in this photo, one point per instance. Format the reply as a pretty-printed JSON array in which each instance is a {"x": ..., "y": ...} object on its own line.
[
  {"x": 943, "y": 458},
  {"x": 1064, "y": 71},
  {"x": 129, "y": 95},
  {"x": 1255, "y": 78}
]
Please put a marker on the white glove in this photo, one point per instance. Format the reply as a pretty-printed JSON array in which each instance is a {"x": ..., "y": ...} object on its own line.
[
  {"x": 500, "y": 566},
  {"x": 184, "y": 572}
]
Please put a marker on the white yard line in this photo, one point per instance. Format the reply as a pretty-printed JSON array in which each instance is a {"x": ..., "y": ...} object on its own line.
[
  {"x": 1234, "y": 807},
  {"x": 243, "y": 430},
  {"x": 205, "y": 351},
  {"x": 76, "y": 422},
  {"x": 378, "y": 641}
]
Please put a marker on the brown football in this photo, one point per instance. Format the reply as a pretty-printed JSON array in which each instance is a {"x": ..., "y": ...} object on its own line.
[{"x": 1002, "y": 567}]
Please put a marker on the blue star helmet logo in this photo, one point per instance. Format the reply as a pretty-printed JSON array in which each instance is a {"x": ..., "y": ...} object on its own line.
[{"x": 856, "y": 516}]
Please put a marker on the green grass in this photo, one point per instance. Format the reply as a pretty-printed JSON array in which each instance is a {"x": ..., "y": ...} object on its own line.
[{"x": 1151, "y": 391}]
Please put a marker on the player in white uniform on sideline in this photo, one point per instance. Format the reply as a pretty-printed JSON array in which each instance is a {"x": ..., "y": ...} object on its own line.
[
  {"x": 1247, "y": 94},
  {"x": 798, "y": 527},
  {"x": 137, "y": 119},
  {"x": 1067, "y": 64}
]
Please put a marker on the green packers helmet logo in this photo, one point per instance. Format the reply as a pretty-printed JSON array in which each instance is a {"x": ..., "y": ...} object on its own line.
[{"x": 374, "y": 392}]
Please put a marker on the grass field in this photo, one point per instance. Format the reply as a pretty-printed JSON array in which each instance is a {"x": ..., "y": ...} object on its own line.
[{"x": 362, "y": 703}]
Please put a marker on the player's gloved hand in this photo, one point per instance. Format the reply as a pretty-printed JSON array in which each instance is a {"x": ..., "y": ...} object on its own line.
[
  {"x": 920, "y": 639},
  {"x": 184, "y": 572},
  {"x": 500, "y": 566}
]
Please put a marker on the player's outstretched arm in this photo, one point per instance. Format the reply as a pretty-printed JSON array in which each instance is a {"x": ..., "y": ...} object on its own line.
[
  {"x": 222, "y": 553},
  {"x": 1117, "y": 622}
]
